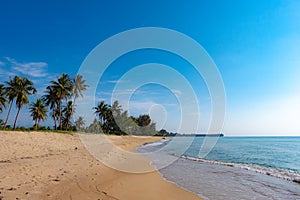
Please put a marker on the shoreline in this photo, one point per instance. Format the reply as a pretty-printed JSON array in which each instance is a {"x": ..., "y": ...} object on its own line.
[
  {"x": 217, "y": 180},
  {"x": 57, "y": 166},
  {"x": 282, "y": 174}
]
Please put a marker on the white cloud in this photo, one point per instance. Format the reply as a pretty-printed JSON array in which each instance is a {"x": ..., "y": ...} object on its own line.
[
  {"x": 34, "y": 69},
  {"x": 2, "y": 63},
  {"x": 177, "y": 92},
  {"x": 116, "y": 81},
  {"x": 6, "y": 73}
]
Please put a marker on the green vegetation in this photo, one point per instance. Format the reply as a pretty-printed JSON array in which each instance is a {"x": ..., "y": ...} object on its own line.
[
  {"x": 59, "y": 97},
  {"x": 60, "y": 100},
  {"x": 164, "y": 133},
  {"x": 38, "y": 112},
  {"x": 18, "y": 89},
  {"x": 113, "y": 120},
  {"x": 3, "y": 99}
]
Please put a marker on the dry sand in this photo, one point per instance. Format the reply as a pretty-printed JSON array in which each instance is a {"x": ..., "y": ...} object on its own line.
[{"x": 40, "y": 165}]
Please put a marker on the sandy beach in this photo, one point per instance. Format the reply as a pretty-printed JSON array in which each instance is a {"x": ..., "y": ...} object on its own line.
[{"x": 41, "y": 165}]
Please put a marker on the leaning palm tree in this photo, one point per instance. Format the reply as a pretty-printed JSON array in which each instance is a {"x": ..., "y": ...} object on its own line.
[
  {"x": 51, "y": 100},
  {"x": 10, "y": 91},
  {"x": 38, "y": 111},
  {"x": 24, "y": 87},
  {"x": 63, "y": 88},
  {"x": 3, "y": 99}
]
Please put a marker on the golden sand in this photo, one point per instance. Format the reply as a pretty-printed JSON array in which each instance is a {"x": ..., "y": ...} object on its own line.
[{"x": 40, "y": 165}]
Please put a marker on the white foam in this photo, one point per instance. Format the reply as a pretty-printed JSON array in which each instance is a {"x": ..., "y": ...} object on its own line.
[
  {"x": 284, "y": 174},
  {"x": 152, "y": 144}
]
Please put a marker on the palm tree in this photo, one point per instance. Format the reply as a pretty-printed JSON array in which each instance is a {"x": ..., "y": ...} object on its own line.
[
  {"x": 38, "y": 111},
  {"x": 68, "y": 109},
  {"x": 95, "y": 127},
  {"x": 24, "y": 87},
  {"x": 116, "y": 109},
  {"x": 63, "y": 88},
  {"x": 78, "y": 87},
  {"x": 51, "y": 100},
  {"x": 79, "y": 123},
  {"x": 10, "y": 91},
  {"x": 3, "y": 99},
  {"x": 55, "y": 116},
  {"x": 124, "y": 124},
  {"x": 102, "y": 111}
]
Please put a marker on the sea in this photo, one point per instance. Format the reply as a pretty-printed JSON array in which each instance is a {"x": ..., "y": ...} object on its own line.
[{"x": 230, "y": 167}]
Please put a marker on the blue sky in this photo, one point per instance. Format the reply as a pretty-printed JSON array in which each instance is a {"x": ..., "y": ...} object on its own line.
[{"x": 255, "y": 45}]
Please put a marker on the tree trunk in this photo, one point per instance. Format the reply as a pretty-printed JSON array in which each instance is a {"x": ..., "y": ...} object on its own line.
[
  {"x": 73, "y": 107},
  {"x": 11, "y": 103},
  {"x": 36, "y": 124},
  {"x": 60, "y": 116},
  {"x": 17, "y": 117},
  {"x": 68, "y": 122},
  {"x": 54, "y": 119},
  {"x": 55, "y": 125}
]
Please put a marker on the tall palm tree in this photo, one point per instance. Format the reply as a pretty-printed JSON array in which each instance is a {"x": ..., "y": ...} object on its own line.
[
  {"x": 68, "y": 109},
  {"x": 11, "y": 94},
  {"x": 51, "y": 100},
  {"x": 24, "y": 87},
  {"x": 55, "y": 116},
  {"x": 38, "y": 111},
  {"x": 78, "y": 87},
  {"x": 3, "y": 99},
  {"x": 63, "y": 88}
]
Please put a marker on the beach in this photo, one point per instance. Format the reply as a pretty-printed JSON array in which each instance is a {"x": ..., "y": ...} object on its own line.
[{"x": 45, "y": 165}]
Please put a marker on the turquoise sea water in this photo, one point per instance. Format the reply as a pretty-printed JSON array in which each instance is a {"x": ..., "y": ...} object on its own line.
[
  {"x": 235, "y": 168},
  {"x": 270, "y": 152}
]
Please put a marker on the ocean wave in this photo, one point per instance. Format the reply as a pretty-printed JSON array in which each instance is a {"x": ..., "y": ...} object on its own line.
[{"x": 285, "y": 174}]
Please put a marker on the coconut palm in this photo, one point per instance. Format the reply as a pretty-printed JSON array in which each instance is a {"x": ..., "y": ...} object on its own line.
[
  {"x": 24, "y": 87},
  {"x": 38, "y": 111},
  {"x": 78, "y": 87},
  {"x": 10, "y": 91},
  {"x": 55, "y": 116},
  {"x": 102, "y": 111},
  {"x": 79, "y": 123},
  {"x": 51, "y": 100},
  {"x": 3, "y": 99},
  {"x": 67, "y": 111},
  {"x": 63, "y": 88}
]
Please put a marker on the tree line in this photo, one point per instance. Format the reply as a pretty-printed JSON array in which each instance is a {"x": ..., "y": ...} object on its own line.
[
  {"x": 60, "y": 96},
  {"x": 60, "y": 99},
  {"x": 113, "y": 120}
]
